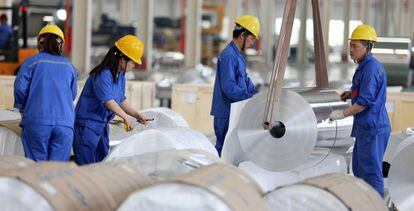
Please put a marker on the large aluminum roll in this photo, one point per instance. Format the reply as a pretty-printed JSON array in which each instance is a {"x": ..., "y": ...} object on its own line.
[
  {"x": 321, "y": 161},
  {"x": 325, "y": 193},
  {"x": 394, "y": 141},
  {"x": 10, "y": 138},
  {"x": 9, "y": 162},
  {"x": 323, "y": 102},
  {"x": 335, "y": 134},
  {"x": 168, "y": 164},
  {"x": 154, "y": 140},
  {"x": 214, "y": 187},
  {"x": 288, "y": 151},
  {"x": 163, "y": 117},
  {"x": 65, "y": 186},
  {"x": 401, "y": 176}
]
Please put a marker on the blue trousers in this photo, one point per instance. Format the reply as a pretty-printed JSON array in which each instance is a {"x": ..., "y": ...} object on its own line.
[
  {"x": 221, "y": 125},
  {"x": 90, "y": 146},
  {"x": 367, "y": 159},
  {"x": 47, "y": 142}
]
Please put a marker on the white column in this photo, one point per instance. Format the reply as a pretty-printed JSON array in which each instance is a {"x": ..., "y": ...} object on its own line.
[
  {"x": 302, "y": 44},
  {"x": 364, "y": 10},
  {"x": 233, "y": 11},
  {"x": 7, "y": 3},
  {"x": 347, "y": 16},
  {"x": 145, "y": 23},
  {"x": 82, "y": 25},
  {"x": 193, "y": 32},
  {"x": 267, "y": 29},
  {"x": 325, "y": 17}
]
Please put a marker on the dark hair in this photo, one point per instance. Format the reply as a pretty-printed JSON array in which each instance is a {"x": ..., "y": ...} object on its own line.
[
  {"x": 51, "y": 44},
  {"x": 111, "y": 61},
  {"x": 238, "y": 30},
  {"x": 368, "y": 43}
]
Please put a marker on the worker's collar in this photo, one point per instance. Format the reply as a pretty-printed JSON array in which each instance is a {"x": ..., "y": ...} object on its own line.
[
  {"x": 236, "y": 49},
  {"x": 365, "y": 60}
]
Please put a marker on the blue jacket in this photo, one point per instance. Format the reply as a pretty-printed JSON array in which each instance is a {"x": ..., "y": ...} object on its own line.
[
  {"x": 44, "y": 89},
  {"x": 369, "y": 89},
  {"x": 232, "y": 83},
  {"x": 90, "y": 110},
  {"x": 5, "y": 32}
]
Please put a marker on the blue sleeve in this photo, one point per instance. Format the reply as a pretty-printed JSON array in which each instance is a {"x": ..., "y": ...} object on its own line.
[
  {"x": 368, "y": 88},
  {"x": 228, "y": 81},
  {"x": 123, "y": 89},
  {"x": 74, "y": 86},
  {"x": 21, "y": 85},
  {"x": 251, "y": 89},
  {"x": 102, "y": 85}
]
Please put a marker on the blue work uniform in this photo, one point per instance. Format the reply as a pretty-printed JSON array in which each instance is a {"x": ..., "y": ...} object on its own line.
[
  {"x": 91, "y": 143},
  {"x": 371, "y": 127},
  {"x": 44, "y": 89},
  {"x": 5, "y": 33},
  {"x": 232, "y": 84}
]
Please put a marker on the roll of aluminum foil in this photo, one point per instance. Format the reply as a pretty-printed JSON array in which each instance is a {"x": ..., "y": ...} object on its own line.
[
  {"x": 288, "y": 151},
  {"x": 401, "y": 176},
  {"x": 154, "y": 140}
]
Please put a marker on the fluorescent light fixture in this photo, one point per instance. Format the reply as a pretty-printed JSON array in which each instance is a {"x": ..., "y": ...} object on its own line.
[
  {"x": 61, "y": 14},
  {"x": 402, "y": 52},
  {"x": 382, "y": 51},
  {"x": 48, "y": 18}
]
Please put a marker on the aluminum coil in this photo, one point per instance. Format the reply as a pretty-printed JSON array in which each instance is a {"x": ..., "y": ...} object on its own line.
[
  {"x": 6, "y": 115},
  {"x": 321, "y": 161},
  {"x": 325, "y": 193},
  {"x": 168, "y": 164},
  {"x": 10, "y": 142},
  {"x": 154, "y": 140},
  {"x": 9, "y": 162},
  {"x": 287, "y": 152},
  {"x": 401, "y": 176}
]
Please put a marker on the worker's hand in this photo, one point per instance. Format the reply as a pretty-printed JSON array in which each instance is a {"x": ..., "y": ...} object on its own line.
[
  {"x": 345, "y": 95},
  {"x": 129, "y": 124},
  {"x": 336, "y": 115},
  {"x": 142, "y": 119}
]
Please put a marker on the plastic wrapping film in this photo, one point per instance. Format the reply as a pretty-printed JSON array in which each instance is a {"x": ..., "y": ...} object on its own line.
[
  {"x": 9, "y": 162},
  {"x": 401, "y": 176},
  {"x": 65, "y": 186},
  {"x": 168, "y": 164},
  {"x": 163, "y": 117},
  {"x": 10, "y": 138},
  {"x": 6, "y": 115},
  {"x": 316, "y": 164},
  {"x": 154, "y": 140},
  {"x": 326, "y": 192},
  {"x": 214, "y": 187}
]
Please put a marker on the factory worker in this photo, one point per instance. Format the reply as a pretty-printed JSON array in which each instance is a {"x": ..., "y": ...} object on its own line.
[
  {"x": 44, "y": 90},
  {"x": 102, "y": 97},
  {"x": 371, "y": 127},
  {"x": 232, "y": 84}
]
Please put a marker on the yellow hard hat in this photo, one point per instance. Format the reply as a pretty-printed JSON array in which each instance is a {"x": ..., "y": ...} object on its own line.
[
  {"x": 53, "y": 29},
  {"x": 250, "y": 23},
  {"x": 131, "y": 46},
  {"x": 364, "y": 32}
]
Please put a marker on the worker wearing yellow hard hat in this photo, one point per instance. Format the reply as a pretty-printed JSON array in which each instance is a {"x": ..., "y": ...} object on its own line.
[
  {"x": 44, "y": 90},
  {"x": 232, "y": 82},
  {"x": 371, "y": 127},
  {"x": 102, "y": 98}
]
